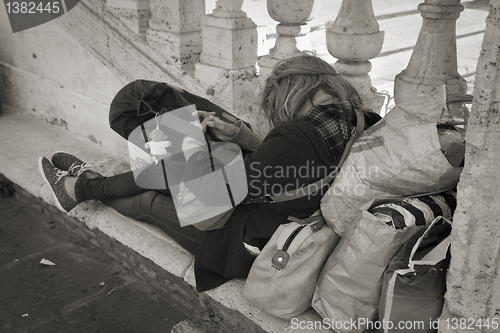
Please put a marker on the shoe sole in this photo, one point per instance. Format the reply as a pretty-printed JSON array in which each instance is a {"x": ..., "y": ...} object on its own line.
[{"x": 58, "y": 204}]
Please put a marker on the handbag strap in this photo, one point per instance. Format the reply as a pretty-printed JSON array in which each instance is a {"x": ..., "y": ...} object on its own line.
[
  {"x": 289, "y": 241},
  {"x": 291, "y": 238},
  {"x": 316, "y": 186},
  {"x": 458, "y": 98},
  {"x": 453, "y": 98}
]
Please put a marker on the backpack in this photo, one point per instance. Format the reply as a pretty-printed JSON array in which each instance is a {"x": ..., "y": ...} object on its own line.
[{"x": 140, "y": 100}]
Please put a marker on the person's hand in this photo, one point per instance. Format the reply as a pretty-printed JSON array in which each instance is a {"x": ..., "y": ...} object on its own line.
[{"x": 224, "y": 131}]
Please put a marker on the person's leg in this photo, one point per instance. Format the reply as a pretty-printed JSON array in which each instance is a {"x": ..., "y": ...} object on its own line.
[
  {"x": 106, "y": 188},
  {"x": 155, "y": 207},
  {"x": 158, "y": 209}
]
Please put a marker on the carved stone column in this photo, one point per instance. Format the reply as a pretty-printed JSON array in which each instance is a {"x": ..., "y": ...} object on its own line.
[
  {"x": 292, "y": 30},
  {"x": 473, "y": 280},
  {"x": 134, "y": 13},
  {"x": 175, "y": 30},
  {"x": 229, "y": 37},
  {"x": 354, "y": 38},
  {"x": 229, "y": 56},
  {"x": 434, "y": 58}
]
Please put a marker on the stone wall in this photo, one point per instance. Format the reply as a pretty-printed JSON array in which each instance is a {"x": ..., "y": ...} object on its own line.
[
  {"x": 44, "y": 71},
  {"x": 67, "y": 71}
]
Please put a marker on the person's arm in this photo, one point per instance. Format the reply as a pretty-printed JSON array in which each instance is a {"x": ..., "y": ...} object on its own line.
[
  {"x": 246, "y": 138},
  {"x": 276, "y": 165},
  {"x": 237, "y": 133}
]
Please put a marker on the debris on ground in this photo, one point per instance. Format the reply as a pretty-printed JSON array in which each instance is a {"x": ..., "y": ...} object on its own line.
[{"x": 47, "y": 262}]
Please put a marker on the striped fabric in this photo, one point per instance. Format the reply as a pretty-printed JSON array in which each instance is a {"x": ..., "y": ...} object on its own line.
[{"x": 416, "y": 210}]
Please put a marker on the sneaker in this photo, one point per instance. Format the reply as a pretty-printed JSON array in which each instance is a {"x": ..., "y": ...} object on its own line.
[
  {"x": 55, "y": 178},
  {"x": 73, "y": 165}
]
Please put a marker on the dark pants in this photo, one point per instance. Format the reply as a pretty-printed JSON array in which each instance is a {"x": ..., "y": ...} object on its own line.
[{"x": 156, "y": 207}]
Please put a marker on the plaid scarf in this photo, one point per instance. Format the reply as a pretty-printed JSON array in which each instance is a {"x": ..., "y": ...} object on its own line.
[{"x": 335, "y": 123}]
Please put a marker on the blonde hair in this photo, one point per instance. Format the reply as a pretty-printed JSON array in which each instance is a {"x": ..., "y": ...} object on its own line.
[{"x": 295, "y": 80}]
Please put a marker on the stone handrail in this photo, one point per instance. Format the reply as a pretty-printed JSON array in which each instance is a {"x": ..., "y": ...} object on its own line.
[
  {"x": 121, "y": 49},
  {"x": 215, "y": 55}
]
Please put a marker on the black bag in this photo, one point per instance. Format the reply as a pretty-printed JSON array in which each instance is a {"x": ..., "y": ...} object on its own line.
[
  {"x": 140, "y": 100},
  {"x": 415, "y": 282}
]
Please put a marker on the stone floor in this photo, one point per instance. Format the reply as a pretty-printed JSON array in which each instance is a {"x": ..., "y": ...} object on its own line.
[{"x": 85, "y": 291}]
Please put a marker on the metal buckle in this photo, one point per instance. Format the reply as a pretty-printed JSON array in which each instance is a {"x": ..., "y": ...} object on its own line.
[
  {"x": 263, "y": 199},
  {"x": 268, "y": 199},
  {"x": 279, "y": 261}
]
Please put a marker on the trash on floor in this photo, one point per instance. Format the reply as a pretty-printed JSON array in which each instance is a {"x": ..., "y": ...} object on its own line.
[{"x": 47, "y": 262}]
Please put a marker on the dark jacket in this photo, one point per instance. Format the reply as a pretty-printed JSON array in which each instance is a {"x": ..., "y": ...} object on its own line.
[{"x": 292, "y": 155}]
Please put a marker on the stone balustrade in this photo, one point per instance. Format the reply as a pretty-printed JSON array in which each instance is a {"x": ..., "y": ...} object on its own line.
[
  {"x": 134, "y": 13},
  {"x": 354, "y": 38},
  {"x": 434, "y": 58},
  {"x": 292, "y": 30},
  {"x": 175, "y": 30},
  {"x": 229, "y": 56},
  {"x": 219, "y": 46}
]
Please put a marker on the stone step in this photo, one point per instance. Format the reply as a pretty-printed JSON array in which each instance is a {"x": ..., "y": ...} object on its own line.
[{"x": 202, "y": 323}]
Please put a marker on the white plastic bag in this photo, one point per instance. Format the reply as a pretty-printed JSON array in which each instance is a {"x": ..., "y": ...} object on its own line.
[{"x": 399, "y": 156}]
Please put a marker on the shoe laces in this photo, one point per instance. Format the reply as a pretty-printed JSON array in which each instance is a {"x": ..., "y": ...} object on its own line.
[
  {"x": 78, "y": 169},
  {"x": 61, "y": 174}
]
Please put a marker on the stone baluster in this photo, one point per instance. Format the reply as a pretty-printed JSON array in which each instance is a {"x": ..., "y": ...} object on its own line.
[
  {"x": 292, "y": 30},
  {"x": 175, "y": 30},
  {"x": 229, "y": 37},
  {"x": 354, "y": 38},
  {"x": 434, "y": 58},
  {"x": 134, "y": 13},
  {"x": 229, "y": 57},
  {"x": 473, "y": 279}
]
